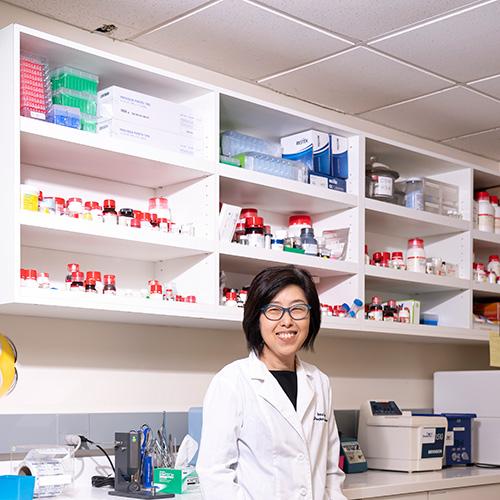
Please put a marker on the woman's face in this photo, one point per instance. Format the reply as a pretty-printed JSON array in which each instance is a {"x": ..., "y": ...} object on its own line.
[{"x": 283, "y": 338}]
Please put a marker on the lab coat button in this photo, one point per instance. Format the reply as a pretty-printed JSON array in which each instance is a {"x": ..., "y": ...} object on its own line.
[
  {"x": 300, "y": 457},
  {"x": 303, "y": 491}
]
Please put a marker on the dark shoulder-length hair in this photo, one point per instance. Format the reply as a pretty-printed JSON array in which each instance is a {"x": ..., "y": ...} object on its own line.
[{"x": 264, "y": 287}]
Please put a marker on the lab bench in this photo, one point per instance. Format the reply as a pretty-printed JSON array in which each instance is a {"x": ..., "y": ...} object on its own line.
[{"x": 462, "y": 483}]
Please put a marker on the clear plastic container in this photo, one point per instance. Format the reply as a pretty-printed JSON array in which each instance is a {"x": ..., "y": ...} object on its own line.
[
  {"x": 85, "y": 102},
  {"x": 88, "y": 123},
  {"x": 380, "y": 182},
  {"x": 75, "y": 79},
  {"x": 234, "y": 143},
  {"x": 64, "y": 115},
  {"x": 414, "y": 193},
  {"x": 280, "y": 167}
]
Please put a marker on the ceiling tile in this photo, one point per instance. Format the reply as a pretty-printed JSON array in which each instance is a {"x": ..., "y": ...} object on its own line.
[
  {"x": 355, "y": 81},
  {"x": 364, "y": 19},
  {"x": 463, "y": 47},
  {"x": 486, "y": 144},
  {"x": 447, "y": 114},
  {"x": 239, "y": 39},
  {"x": 124, "y": 14},
  {"x": 490, "y": 86}
]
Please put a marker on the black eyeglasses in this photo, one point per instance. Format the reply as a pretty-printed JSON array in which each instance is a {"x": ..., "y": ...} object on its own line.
[{"x": 274, "y": 312}]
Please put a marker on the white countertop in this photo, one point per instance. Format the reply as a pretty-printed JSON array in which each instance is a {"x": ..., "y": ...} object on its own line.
[{"x": 370, "y": 484}]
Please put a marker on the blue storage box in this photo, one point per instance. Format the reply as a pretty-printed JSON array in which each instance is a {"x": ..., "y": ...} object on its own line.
[
  {"x": 17, "y": 487},
  {"x": 65, "y": 116}
]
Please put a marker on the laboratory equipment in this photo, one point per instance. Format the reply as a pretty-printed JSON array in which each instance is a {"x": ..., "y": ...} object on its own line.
[
  {"x": 74, "y": 79},
  {"x": 380, "y": 181},
  {"x": 234, "y": 143},
  {"x": 473, "y": 392},
  {"x": 396, "y": 440},
  {"x": 64, "y": 115},
  {"x": 280, "y": 167},
  {"x": 128, "y": 465},
  {"x": 354, "y": 460}
]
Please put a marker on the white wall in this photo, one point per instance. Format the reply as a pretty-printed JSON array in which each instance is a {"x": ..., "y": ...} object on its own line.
[{"x": 78, "y": 366}]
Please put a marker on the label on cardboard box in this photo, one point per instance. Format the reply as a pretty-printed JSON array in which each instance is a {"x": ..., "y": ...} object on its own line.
[
  {"x": 174, "y": 480},
  {"x": 311, "y": 147},
  {"x": 327, "y": 181},
  {"x": 151, "y": 137},
  {"x": 141, "y": 109}
]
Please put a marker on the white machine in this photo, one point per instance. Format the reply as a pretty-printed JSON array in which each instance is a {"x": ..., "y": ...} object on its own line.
[
  {"x": 396, "y": 440},
  {"x": 474, "y": 392}
]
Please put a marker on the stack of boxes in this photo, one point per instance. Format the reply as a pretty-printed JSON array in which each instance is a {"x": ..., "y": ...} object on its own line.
[
  {"x": 325, "y": 155},
  {"x": 74, "y": 97},
  {"x": 35, "y": 87},
  {"x": 155, "y": 122}
]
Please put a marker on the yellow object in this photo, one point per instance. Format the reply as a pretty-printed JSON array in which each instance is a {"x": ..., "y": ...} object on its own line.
[
  {"x": 8, "y": 372},
  {"x": 495, "y": 349},
  {"x": 29, "y": 198}
]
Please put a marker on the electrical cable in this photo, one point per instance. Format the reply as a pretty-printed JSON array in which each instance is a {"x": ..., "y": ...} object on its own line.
[{"x": 101, "y": 481}]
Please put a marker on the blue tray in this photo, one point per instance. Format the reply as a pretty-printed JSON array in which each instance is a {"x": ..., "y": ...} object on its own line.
[{"x": 17, "y": 487}]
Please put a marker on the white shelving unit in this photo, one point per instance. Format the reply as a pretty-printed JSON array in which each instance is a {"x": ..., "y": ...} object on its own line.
[{"x": 66, "y": 162}]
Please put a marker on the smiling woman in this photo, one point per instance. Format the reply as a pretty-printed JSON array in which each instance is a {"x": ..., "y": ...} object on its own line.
[{"x": 269, "y": 430}]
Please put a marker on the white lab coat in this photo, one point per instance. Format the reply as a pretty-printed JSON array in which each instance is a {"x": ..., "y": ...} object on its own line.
[{"x": 255, "y": 446}]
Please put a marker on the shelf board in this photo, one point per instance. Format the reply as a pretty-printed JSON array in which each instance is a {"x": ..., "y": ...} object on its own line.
[
  {"x": 395, "y": 281},
  {"x": 117, "y": 309},
  {"x": 487, "y": 290},
  {"x": 395, "y": 220},
  {"x": 488, "y": 242},
  {"x": 73, "y": 235},
  {"x": 243, "y": 187},
  {"x": 67, "y": 305},
  {"x": 237, "y": 258},
  {"x": 380, "y": 330},
  {"x": 44, "y": 144}
]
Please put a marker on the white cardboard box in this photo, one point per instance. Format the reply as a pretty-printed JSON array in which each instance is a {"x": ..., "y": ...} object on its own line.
[
  {"x": 151, "y": 137},
  {"x": 141, "y": 109}
]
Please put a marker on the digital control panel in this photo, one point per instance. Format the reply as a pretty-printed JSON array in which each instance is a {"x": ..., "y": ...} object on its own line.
[{"x": 385, "y": 408}]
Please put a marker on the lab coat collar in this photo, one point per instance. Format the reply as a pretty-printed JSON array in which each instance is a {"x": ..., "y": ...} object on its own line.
[{"x": 269, "y": 389}]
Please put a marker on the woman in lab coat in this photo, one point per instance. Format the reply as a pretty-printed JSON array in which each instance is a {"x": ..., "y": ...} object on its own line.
[{"x": 269, "y": 431}]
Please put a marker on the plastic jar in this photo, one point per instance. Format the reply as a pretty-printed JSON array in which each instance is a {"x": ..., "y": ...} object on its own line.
[
  {"x": 164, "y": 225},
  {"x": 414, "y": 193},
  {"x": 496, "y": 207},
  {"x": 479, "y": 272},
  {"x": 159, "y": 206},
  {"x": 109, "y": 284},
  {"x": 77, "y": 282},
  {"x": 390, "y": 312},
  {"x": 247, "y": 212},
  {"x": 31, "y": 278},
  {"x": 377, "y": 259},
  {"x": 136, "y": 223},
  {"x": 415, "y": 256},
  {"x": 486, "y": 212},
  {"x": 494, "y": 264},
  {"x": 109, "y": 214},
  {"x": 277, "y": 244},
  {"x": 231, "y": 298},
  {"x": 239, "y": 231},
  {"x": 191, "y": 299},
  {"x": 96, "y": 276},
  {"x": 69, "y": 277},
  {"x": 146, "y": 221},
  {"x": 298, "y": 222},
  {"x": 90, "y": 286},
  {"x": 74, "y": 206},
  {"x": 125, "y": 217},
  {"x": 375, "y": 310},
  {"x": 96, "y": 211},
  {"x": 29, "y": 197},
  {"x": 267, "y": 237},
  {"x": 23, "y": 277},
  {"x": 309, "y": 243},
  {"x": 156, "y": 291},
  {"x": 43, "y": 280},
  {"x": 380, "y": 181},
  {"x": 254, "y": 231},
  {"x": 47, "y": 205},
  {"x": 398, "y": 261}
]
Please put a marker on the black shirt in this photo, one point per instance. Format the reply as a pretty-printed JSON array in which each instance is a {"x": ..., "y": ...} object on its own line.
[{"x": 288, "y": 382}]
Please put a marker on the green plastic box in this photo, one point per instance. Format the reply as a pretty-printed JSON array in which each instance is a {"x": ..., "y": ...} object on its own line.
[
  {"x": 88, "y": 123},
  {"x": 67, "y": 77},
  {"x": 86, "y": 103}
]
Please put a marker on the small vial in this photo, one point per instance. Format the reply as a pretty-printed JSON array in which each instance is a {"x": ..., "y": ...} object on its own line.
[
  {"x": 109, "y": 284},
  {"x": 191, "y": 299},
  {"x": 242, "y": 297},
  {"x": 77, "y": 282},
  {"x": 267, "y": 237},
  {"x": 136, "y": 223},
  {"x": 96, "y": 276},
  {"x": 125, "y": 217},
  {"x": 277, "y": 244},
  {"x": 43, "y": 280},
  {"x": 231, "y": 298},
  {"x": 156, "y": 292},
  {"x": 90, "y": 286},
  {"x": 375, "y": 311},
  {"x": 23, "y": 277},
  {"x": 109, "y": 212},
  {"x": 69, "y": 277},
  {"x": 31, "y": 280}
]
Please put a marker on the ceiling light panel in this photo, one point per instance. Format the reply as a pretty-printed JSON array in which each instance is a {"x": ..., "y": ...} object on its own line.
[
  {"x": 355, "y": 81},
  {"x": 242, "y": 40},
  {"x": 446, "y": 114},
  {"x": 463, "y": 47},
  {"x": 127, "y": 15},
  {"x": 486, "y": 144},
  {"x": 363, "y": 19}
]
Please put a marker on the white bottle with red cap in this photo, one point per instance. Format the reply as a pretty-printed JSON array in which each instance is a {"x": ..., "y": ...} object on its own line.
[
  {"x": 485, "y": 212},
  {"x": 415, "y": 256},
  {"x": 496, "y": 208},
  {"x": 494, "y": 265},
  {"x": 298, "y": 222}
]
